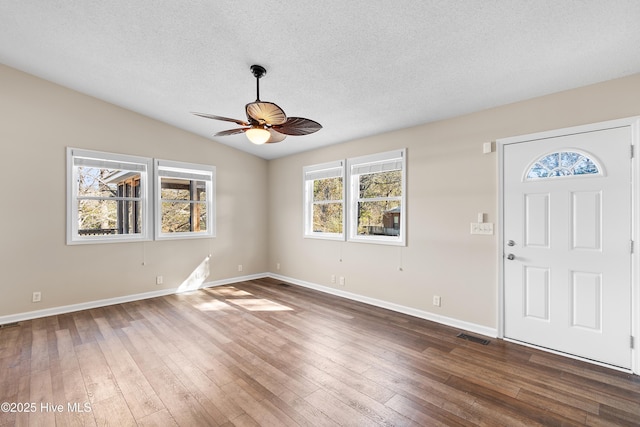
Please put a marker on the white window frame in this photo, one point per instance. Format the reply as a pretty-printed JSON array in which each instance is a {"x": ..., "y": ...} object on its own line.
[
  {"x": 311, "y": 174},
  {"x": 206, "y": 173},
  {"x": 78, "y": 157},
  {"x": 380, "y": 162}
]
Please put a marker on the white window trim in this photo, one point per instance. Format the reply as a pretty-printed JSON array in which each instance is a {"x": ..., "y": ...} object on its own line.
[
  {"x": 144, "y": 163},
  {"x": 353, "y": 193},
  {"x": 205, "y": 173},
  {"x": 309, "y": 174}
]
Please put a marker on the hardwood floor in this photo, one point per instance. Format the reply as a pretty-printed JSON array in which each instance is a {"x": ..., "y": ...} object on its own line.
[{"x": 267, "y": 353}]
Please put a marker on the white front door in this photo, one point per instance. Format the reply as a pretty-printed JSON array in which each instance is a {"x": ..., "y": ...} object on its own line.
[{"x": 567, "y": 244}]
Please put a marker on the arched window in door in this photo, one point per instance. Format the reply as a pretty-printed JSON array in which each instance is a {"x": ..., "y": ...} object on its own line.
[{"x": 563, "y": 163}]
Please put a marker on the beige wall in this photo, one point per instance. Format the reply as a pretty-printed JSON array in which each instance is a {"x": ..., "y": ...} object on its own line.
[
  {"x": 449, "y": 181},
  {"x": 37, "y": 121}
]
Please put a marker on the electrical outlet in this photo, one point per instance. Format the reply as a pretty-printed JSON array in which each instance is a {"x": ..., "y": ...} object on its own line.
[
  {"x": 333, "y": 278},
  {"x": 341, "y": 282},
  {"x": 436, "y": 300},
  {"x": 278, "y": 266},
  {"x": 159, "y": 280},
  {"x": 37, "y": 297},
  {"x": 239, "y": 267}
]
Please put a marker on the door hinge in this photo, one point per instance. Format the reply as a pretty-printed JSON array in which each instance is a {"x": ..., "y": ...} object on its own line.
[
  {"x": 631, "y": 246},
  {"x": 632, "y": 152},
  {"x": 631, "y": 341}
]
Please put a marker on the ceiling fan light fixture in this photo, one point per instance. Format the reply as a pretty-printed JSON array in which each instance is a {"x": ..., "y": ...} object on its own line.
[{"x": 258, "y": 135}]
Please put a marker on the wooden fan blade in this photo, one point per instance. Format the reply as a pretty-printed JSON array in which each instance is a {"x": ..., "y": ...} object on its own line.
[
  {"x": 298, "y": 126},
  {"x": 265, "y": 113},
  {"x": 231, "y": 132},
  {"x": 275, "y": 136},
  {"x": 226, "y": 119}
]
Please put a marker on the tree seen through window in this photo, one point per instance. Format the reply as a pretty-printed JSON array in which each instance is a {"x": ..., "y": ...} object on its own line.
[
  {"x": 327, "y": 205},
  {"x": 379, "y": 203}
]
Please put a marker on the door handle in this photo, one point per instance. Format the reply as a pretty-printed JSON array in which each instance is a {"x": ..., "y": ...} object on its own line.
[
  {"x": 511, "y": 257},
  {"x": 511, "y": 243}
]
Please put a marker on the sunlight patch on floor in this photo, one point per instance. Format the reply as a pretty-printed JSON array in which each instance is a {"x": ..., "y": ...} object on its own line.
[
  {"x": 259, "y": 304},
  {"x": 214, "y": 305},
  {"x": 229, "y": 291}
]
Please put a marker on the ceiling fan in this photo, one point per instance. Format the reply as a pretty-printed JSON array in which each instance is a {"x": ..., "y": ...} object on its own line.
[{"x": 266, "y": 122}]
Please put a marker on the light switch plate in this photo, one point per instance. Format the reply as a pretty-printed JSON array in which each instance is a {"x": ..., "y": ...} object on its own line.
[{"x": 481, "y": 228}]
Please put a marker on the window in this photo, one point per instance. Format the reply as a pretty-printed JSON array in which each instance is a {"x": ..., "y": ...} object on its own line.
[
  {"x": 563, "y": 163},
  {"x": 377, "y": 198},
  {"x": 185, "y": 195},
  {"x": 375, "y": 190},
  {"x": 107, "y": 197},
  {"x": 324, "y": 200}
]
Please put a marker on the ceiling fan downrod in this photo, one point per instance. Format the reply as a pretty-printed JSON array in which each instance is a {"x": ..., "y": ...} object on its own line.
[{"x": 258, "y": 71}]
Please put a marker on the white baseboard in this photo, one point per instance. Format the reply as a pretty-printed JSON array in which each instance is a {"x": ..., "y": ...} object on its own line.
[
  {"x": 455, "y": 323},
  {"x": 53, "y": 311}
]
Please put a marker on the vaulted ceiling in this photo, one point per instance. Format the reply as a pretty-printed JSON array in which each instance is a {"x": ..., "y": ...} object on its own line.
[{"x": 359, "y": 67}]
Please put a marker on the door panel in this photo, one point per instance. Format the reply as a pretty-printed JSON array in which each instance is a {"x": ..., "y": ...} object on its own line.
[
  {"x": 586, "y": 220},
  {"x": 536, "y": 295},
  {"x": 567, "y": 209},
  {"x": 536, "y": 220},
  {"x": 586, "y": 301}
]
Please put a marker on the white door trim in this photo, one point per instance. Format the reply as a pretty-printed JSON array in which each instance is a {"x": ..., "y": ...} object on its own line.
[{"x": 634, "y": 123}]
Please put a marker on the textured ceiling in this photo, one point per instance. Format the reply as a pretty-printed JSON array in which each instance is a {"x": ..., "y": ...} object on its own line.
[{"x": 359, "y": 67}]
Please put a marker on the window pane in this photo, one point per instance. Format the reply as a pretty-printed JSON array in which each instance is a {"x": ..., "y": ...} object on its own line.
[
  {"x": 568, "y": 158},
  {"x": 560, "y": 172},
  {"x": 585, "y": 166},
  {"x": 551, "y": 161},
  {"x": 97, "y": 217},
  {"x": 379, "y": 218},
  {"x": 96, "y": 182},
  {"x": 103, "y": 217},
  {"x": 181, "y": 217},
  {"x": 384, "y": 184},
  {"x": 327, "y": 189},
  {"x": 327, "y": 218},
  {"x": 537, "y": 171},
  {"x": 182, "y": 189}
]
